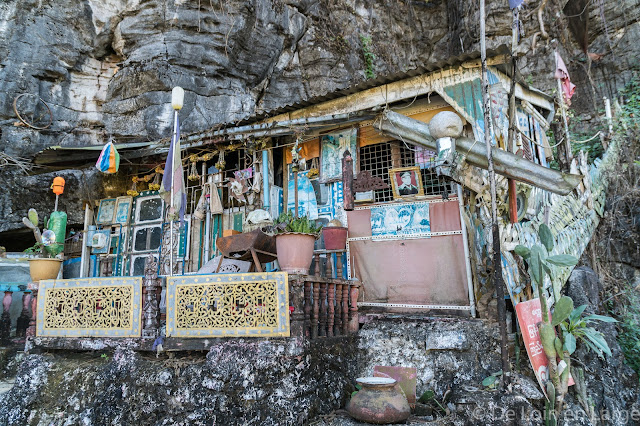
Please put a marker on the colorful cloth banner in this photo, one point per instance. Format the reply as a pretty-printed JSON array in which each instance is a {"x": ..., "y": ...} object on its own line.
[
  {"x": 174, "y": 178},
  {"x": 515, "y": 3},
  {"x": 109, "y": 160},
  {"x": 561, "y": 73}
]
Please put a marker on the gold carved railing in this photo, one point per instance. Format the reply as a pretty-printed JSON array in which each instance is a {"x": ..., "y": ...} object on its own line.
[
  {"x": 226, "y": 305},
  {"x": 88, "y": 307}
]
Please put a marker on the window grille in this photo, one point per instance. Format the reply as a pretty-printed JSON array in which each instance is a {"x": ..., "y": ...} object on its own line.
[{"x": 381, "y": 157}]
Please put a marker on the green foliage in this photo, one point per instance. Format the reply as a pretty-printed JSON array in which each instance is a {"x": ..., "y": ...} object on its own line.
[
  {"x": 368, "y": 57},
  {"x": 627, "y": 309},
  {"x": 575, "y": 326},
  {"x": 563, "y": 309},
  {"x": 546, "y": 237},
  {"x": 37, "y": 249},
  {"x": 491, "y": 381},
  {"x": 287, "y": 222},
  {"x": 429, "y": 398}
]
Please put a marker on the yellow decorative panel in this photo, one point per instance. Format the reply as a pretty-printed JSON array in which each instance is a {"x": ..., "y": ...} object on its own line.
[
  {"x": 224, "y": 305},
  {"x": 90, "y": 307}
]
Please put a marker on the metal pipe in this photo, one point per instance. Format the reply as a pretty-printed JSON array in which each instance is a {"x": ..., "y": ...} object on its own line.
[
  {"x": 607, "y": 111},
  {"x": 265, "y": 179},
  {"x": 207, "y": 223},
  {"x": 467, "y": 257},
  {"x": 171, "y": 208},
  {"x": 505, "y": 163},
  {"x": 84, "y": 257}
]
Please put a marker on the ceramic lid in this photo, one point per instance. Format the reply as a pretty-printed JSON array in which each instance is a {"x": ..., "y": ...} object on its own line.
[{"x": 375, "y": 381}]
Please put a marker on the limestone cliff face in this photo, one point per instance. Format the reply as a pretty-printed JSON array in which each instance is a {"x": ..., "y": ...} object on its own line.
[{"x": 106, "y": 67}]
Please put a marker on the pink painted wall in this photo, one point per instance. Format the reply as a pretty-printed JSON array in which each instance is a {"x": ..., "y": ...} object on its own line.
[{"x": 424, "y": 271}]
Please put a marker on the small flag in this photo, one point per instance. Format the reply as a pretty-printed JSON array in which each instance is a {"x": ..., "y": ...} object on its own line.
[
  {"x": 561, "y": 73},
  {"x": 109, "y": 160},
  {"x": 174, "y": 177},
  {"x": 515, "y": 3}
]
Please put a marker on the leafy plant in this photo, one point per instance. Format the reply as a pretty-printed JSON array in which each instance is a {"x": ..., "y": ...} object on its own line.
[
  {"x": 37, "y": 249},
  {"x": 539, "y": 261},
  {"x": 287, "y": 222},
  {"x": 429, "y": 398},
  {"x": 368, "y": 56},
  {"x": 576, "y": 327},
  {"x": 492, "y": 381}
]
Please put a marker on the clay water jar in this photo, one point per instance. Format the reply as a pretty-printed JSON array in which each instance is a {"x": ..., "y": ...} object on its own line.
[
  {"x": 379, "y": 401},
  {"x": 295, "y": 252}
]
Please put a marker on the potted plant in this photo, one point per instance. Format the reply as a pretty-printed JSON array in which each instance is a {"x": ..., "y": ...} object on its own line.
[
  {"x": 295, "y": 240},
  {"x": 44, "y": 266}
]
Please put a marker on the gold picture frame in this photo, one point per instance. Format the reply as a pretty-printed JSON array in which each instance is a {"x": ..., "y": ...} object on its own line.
[{"x": 403, "y": 188}]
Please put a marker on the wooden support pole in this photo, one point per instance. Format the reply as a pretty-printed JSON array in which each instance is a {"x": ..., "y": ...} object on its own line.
[
  {"x": 307, "y": 308},
  {"x": 297, "y": 301},
  {"x": 495, "y": 230},
  {"x": 347, "y": 181},
  {"x": 566, "y": 145},
  {"x": 511, "y": 137},
  {"x": 323, "y": 309},
  {"x": 345, "y": 308},
  {"x": 331, "y": 311},
  {"x": 316, "y": 310},
  {"x": 338, "y": 312},
  {"x": 354, "y": 321}
]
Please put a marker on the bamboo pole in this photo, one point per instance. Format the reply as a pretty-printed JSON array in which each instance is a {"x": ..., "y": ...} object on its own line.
[
  {"x": 510, "y": 145},
  {"x": 495, "y": 230}
]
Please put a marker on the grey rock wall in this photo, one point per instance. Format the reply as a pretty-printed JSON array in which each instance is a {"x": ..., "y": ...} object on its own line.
[{"x": 106, "y": 67}]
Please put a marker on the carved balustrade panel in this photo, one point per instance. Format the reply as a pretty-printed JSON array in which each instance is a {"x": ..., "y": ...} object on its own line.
[
  {"x": 224, "y": 305},
  {"x": 88, "y": 307}
]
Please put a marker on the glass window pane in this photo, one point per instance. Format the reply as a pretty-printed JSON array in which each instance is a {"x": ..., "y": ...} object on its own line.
[
  {"x": 150, "y": 209},
  {"x": 155, "y": 239},
  {"x": 140, "y": 239}
]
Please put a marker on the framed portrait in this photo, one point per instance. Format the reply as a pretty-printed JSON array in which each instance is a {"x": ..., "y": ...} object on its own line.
[
  {"x": 123, "y": 210},
  {"x": 406, "y": 182},
  {"x": 106, "y": 211}
]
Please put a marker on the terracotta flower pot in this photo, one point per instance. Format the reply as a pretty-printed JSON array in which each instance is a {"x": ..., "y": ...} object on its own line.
[
  {"x": 295, "y": 252},
  {"x": 379, "y": 401},
  {"x": 335, "y": 237},
  {"x": 44, "y": 269}
]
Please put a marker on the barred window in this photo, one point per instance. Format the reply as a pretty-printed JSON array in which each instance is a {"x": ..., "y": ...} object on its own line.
[{"x": 381, "y": 157}]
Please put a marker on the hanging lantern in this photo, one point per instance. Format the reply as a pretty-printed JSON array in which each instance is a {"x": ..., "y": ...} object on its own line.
[{"x": 58, "y": 185}]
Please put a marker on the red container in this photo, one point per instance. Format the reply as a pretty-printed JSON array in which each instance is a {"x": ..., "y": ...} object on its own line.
[{"x": 335, "y": 237}]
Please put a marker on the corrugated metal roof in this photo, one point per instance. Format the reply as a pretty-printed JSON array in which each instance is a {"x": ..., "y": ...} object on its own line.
[{"x": 379, "y": 81}]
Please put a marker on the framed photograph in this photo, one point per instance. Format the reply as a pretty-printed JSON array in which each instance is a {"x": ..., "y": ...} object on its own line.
[
  {"x": 123, "y": 210},
  {"x": 106, "y": 211},
  {"x": 406, "y": 182}
]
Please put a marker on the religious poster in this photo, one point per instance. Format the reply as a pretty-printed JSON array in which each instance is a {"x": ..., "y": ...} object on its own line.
[
  {"x": 333, "y": 146},
  {"x": 400, "y": 219}
]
